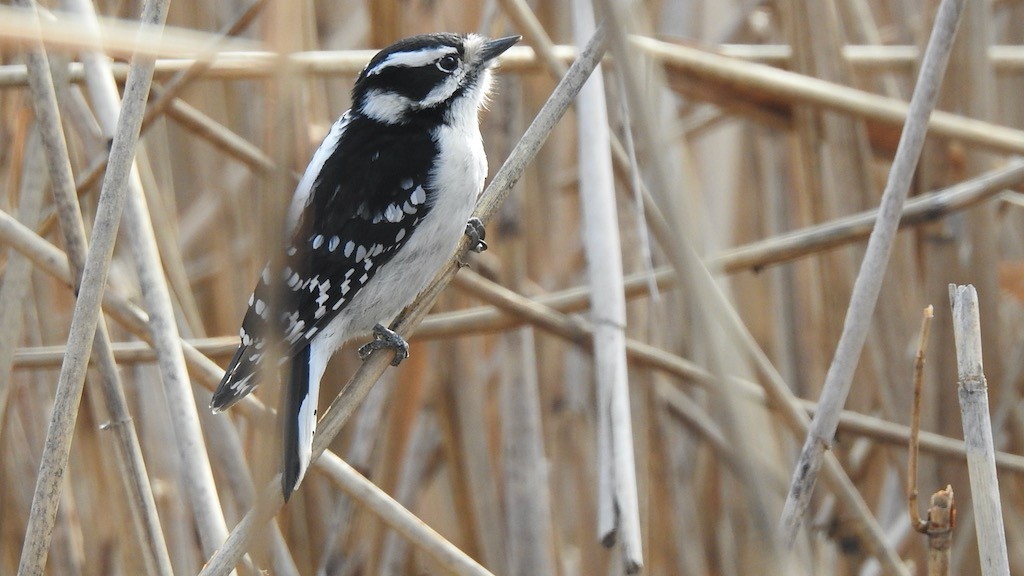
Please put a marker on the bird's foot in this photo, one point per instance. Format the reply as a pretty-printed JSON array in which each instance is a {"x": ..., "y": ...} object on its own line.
[
  {"x": 476, "y": 232},
  {"x": 384, "y": 338}
]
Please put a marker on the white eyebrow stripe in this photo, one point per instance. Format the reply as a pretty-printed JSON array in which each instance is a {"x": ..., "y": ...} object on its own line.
[{"x": 413, "y": 59}]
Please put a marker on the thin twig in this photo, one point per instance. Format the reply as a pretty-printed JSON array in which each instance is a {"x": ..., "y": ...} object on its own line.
[
  {"x": 869, "y": 279},
  {"x": 915, "y": 424},
  {"x": 398, "y": 518},
  {"x": 580, "y": 333}
]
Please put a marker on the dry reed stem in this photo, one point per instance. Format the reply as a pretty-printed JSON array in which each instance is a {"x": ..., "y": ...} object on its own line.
[
  {"x": 708, "y": 294},
  {"x": 87, "y": 308},
  {"x": 371, "y": 369},
  {"x": 580, "y": 333},
  {"x": 17, "y": 277},
  {"x": 941, "y": 521},
  {"x": 915, "y": 424},
  {"x": 197, "y": 475},
  {"x": 618, "y": 505},
  {"x": 869, "y": 280},
  {"x": 525, "y": 476},
  {"x": 974, "y": 411},
  {"x": 874, "y": 57},
  {"x": 756, "y": 255},
  {"x": 127, "y": 451},
  {"x": 242, "y": 64},
  {"x": 250, "y": 64},
  {"x": 115, "y": 36},
  {"x": 744, "y": 77},
  {"x": 51, "y": 259},
  {"x": 398, "y": 518},
  {"x": 420, "y": 452},
  {"x": 167, "y": 96}
]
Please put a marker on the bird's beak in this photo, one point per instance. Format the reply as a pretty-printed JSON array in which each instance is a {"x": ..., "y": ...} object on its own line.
[{"x": 494, "y": 48}]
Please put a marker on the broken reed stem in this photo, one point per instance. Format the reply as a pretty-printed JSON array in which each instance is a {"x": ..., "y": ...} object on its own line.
[
  {"x": 372, "y": 368},
  {"x": 87, "y": 308},
  {"x": 869, "y": 279},
  {"x": 618, "y": 505},
  {"x": 941, "y": 520},
  {"x": 974, "y": 412},
  {"x": 915, "y": 423}
]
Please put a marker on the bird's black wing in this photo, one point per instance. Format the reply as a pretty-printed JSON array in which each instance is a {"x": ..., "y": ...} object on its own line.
[{"x": 364, "y": 205}]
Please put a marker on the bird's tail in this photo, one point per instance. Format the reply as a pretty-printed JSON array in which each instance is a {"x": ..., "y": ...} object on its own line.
[
  {"x": 239, "y": 380},
  {"x": 299, "y": 419}
]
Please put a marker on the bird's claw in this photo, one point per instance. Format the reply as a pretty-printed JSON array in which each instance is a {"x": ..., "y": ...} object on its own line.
[
  {"x": 385, "y": 338},
  {"x": 476, "y": 232}
]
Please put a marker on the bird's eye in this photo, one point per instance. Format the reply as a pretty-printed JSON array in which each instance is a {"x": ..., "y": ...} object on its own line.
[{"x": 448, "y": 64}]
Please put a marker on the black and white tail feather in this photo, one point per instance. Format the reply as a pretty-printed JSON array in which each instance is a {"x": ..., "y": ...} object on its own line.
[{"x": 378, "y": 211}]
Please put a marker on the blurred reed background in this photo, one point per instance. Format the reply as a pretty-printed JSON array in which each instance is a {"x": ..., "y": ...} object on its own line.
[{"x": 491, "y": 431}]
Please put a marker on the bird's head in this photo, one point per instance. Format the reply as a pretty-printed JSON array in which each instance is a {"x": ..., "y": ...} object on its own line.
[{"x": 428, "y": 76}]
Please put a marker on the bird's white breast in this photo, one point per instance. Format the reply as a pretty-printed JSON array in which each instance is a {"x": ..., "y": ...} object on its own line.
[{"x": 457, "y": 178}]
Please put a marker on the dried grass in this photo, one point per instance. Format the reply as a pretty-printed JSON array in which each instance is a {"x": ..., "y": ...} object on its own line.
[{"x": 757, "y": 184}]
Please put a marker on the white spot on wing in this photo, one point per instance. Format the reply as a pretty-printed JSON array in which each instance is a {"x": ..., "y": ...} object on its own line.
[
  {"x": 349, "y": 248},
  {"x": 393, "y": 213},
  {"x": 318, "y": 241},
  {"x": 332, "y": 245},
  {"x": 418, "y": 196}
]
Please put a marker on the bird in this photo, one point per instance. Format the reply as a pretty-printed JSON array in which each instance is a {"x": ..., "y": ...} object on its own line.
[{"x": 380, "y": 208}]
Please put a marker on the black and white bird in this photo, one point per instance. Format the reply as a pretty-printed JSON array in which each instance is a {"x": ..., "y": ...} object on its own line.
[{"x": 380, "y": 208}]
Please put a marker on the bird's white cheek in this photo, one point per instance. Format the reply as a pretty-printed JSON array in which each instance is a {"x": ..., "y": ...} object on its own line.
[{"x": 386, "y": 107}]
